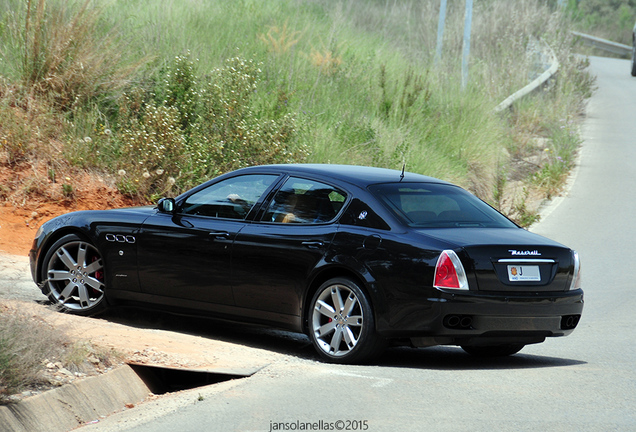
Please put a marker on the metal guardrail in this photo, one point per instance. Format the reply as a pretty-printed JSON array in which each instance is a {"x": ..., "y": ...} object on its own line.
[
  {"x": 604, "y": 44},
  {"x": 536, "y": 83},
  {"x": 613, "y": 47}
]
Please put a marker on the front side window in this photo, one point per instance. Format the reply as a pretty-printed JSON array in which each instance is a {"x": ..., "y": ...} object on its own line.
[
  {"x": 438, "y": 206},
  {"x": 232, "y": 198},
  {"x": 305, "y": 201}
]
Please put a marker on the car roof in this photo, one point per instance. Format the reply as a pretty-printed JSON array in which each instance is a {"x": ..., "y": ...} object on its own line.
[{"x": 354, "y": 174}]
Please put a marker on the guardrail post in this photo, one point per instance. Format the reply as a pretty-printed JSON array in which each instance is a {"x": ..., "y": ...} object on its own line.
[
  {"x": 440, "y": 30},
  {"x": 468, "y": 19}
]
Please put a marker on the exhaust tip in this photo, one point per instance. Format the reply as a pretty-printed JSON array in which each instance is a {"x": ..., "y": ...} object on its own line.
[
  {"x": 569, "y": 322},
  {"x": 458, "y": 322}
]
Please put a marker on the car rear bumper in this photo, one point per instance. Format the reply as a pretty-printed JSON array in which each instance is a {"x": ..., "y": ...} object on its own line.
[{"x": 482, "y": 319}]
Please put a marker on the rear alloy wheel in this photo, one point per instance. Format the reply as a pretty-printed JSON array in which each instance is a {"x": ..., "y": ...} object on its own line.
[
  {"x": 341, "y": 324},
  {"x": 73, "y": 276},
  {"x": 493, "y": 351}
]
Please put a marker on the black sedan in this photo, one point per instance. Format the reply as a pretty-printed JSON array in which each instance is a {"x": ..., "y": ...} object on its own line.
[
  {"x": 355, "y": 257},
  {"x": 634, "y": 51}
]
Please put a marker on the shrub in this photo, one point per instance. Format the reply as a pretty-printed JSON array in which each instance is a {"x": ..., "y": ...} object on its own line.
[
  {"x": 153, "y": 151},
  {"x": 231, "y": 134},
  {"x": 181, "y": 90},
  {"x": 196, "y": 132}
]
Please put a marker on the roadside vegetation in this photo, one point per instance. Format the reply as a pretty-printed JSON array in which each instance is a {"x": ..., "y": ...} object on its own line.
[
  {"x": 29, "y": 348},
  {"x": 608, "y": 19},
  {"x": 22, "y": 347},
  {"x": 157, "y": 96}
]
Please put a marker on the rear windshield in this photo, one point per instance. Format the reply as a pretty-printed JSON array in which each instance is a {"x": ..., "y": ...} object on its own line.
[{"x": 438, "y": 206}]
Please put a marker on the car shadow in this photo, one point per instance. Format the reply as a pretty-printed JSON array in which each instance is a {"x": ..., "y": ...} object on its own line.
[
  {"x": 454, "y": 358},
  {"x": 250, "y": 335},
  {"x": 299, "y": 345}
]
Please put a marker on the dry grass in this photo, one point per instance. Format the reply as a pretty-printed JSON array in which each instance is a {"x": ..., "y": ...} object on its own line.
[
  {"x": 280, "y": 40},
  {"x": 28, "y": 126},
  {"x": 24, "y": 343},
  {"x": 33, "y": 352},
  {"x": 65, "y": 60}
]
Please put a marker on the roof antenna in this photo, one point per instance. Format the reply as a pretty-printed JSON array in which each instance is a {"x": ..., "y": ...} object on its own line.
[{"x": 403, "y": 167}]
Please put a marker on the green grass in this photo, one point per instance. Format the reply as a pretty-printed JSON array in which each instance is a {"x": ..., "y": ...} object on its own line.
[{"x": 355, "y": 81}]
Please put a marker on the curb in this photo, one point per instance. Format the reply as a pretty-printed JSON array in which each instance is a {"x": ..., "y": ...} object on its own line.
[{"x": 75, "y": 404}]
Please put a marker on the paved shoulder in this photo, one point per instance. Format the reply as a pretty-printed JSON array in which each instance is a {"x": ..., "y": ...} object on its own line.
[{"x": 15, "y": 279}]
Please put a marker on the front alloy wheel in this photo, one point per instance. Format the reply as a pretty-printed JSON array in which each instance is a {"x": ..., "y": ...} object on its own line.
[
  {"x": 341, "y": 324},
  {"x": 73, "y": 276}
]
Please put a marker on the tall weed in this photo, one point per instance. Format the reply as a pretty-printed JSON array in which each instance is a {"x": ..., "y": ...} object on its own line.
[
  {"x": 28, "y": 126},
  {"x": 66, "y": 56},
  {"x": 24, "y": 343}
]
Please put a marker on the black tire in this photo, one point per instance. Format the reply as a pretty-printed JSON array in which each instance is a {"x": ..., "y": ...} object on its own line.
[
  {"x": 341, "y": 323},
  {"x": 634, "y": 59},
  {"x": 73, "y": 276},
  {"x": 493, "y": 351}
]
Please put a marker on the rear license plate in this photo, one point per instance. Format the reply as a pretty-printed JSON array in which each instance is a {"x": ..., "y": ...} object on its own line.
[{"x": 524, "y": 273}]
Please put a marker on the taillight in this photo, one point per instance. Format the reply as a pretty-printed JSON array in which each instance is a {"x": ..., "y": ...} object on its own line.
[
  {"x": 576, "y": 277},
  {"x": 449, "y": 272}
]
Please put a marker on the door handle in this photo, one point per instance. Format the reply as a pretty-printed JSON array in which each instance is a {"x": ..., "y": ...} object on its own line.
[
  {"x": 220, "y": 235},
  {"x": 313, "y": 244}
]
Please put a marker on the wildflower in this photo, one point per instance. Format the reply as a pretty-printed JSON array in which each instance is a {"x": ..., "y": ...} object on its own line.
[
  {"x": 107, "y": 132},
  {"x": 171, "y": 181},
  {"x": 88, "y": 139},
  {"x": 146, "y": 174},
  {"x": 121, "y": 172},
  {"x": 159, "y": 171}
]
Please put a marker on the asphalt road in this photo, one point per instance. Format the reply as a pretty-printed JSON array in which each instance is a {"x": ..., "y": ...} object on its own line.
[{"x": 584, "y": 382}]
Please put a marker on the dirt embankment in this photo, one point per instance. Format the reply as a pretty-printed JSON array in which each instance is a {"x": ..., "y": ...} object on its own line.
[{"x": 31, "y": 194}]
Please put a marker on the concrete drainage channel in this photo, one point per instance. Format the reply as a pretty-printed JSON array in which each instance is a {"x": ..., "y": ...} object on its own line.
[
  {"x": 83, "y": 401},
  {"x": 161, "y": 380}
]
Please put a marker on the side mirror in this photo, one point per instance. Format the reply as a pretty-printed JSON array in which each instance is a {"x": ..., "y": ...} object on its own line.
[{"x": 167, "y": 205}]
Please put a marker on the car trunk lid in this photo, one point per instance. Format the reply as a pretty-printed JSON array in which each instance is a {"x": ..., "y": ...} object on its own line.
[{"x": 511, "y": 260}]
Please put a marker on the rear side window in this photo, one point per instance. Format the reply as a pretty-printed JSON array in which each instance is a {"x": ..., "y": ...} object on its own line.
[
  {"x": 302, "y": 201},
  {"x": 437, "y": 206}
]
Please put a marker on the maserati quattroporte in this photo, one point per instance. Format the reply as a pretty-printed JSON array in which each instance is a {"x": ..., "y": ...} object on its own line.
[{"x": 355, "y": 257}]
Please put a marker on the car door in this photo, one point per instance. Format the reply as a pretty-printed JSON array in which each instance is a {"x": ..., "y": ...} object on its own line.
[
  {"x": 187, "y": 254},
  {"x": 273, "y": 258}
]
